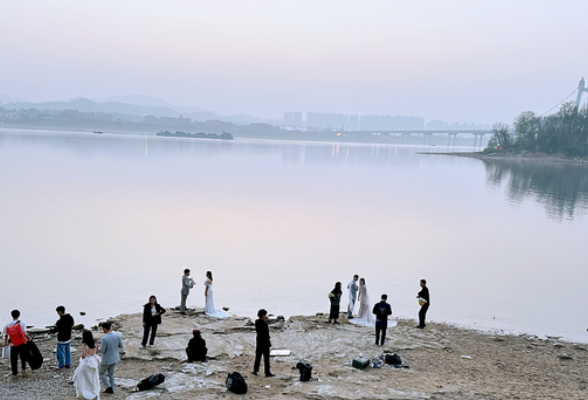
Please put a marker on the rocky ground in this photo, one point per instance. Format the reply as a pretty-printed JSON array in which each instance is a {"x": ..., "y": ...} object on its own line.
[{"x": 445, "y": 362}]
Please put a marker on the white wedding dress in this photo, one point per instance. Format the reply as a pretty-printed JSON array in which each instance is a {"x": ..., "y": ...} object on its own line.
[
  {"x": 210, "y": 310},
  {"x": 365, "y": 316},
  {"x": 86, "y": 379}
]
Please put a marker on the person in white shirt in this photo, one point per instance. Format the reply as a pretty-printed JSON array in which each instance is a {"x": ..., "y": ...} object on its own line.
[{"x": 17, "y": 331}]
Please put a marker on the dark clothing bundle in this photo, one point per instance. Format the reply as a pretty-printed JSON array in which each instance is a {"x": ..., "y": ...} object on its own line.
[
  {"x": 381, "y": 310},
  {"x": 151, "y": 322},
  {"x": 196, "y": 350},
  {"x": 335, "y": 298},
  {"x": 63, "y": 328},
  {"x": 424, "y": 293},
  {"x": 263, "y": 345}
]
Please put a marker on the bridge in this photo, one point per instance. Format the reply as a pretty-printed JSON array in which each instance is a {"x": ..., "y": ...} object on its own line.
[
  {"x": 581, "y": 89},
  {"x": 426, "y": 133}
]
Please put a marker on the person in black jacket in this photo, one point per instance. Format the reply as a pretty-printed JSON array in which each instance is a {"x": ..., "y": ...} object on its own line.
[
  {"x": 63, "y": 328},
  {"x": 151, "y": 319},
  {"x": 263, "y": 343},
  {"x": 382, "y": 310},
  {"x": 425, "y": 302},
  {"x": 196, "y": 349}
]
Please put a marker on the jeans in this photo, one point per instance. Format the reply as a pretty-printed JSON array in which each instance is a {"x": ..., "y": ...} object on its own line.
[
  {"x": 63, "y": 355},
  {"x": 107, "y": 369},
  {"x": 24, "y": 356},
  {"x": 381, "y": 327},
  {"x": 146, "y": 330}
]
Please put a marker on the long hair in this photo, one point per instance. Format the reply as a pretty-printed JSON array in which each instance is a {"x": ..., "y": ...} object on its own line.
[
  {"x": 337, "y": 288},
  {"x": 362, "y": 281},
  {"x": 88, "y": 339},
  {"x": 209, "y": 275},
  {"x": 152, "y": 297}
]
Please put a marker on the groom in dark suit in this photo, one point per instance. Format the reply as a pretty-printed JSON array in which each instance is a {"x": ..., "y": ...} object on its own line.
[{"x": 263, "y": 344}]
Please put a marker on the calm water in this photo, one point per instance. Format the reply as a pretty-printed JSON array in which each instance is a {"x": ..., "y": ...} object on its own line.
[{"x": 100, "y": 222}]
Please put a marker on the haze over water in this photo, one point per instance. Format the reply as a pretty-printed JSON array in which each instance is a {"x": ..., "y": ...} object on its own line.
[{"x": 99, "y": 223}]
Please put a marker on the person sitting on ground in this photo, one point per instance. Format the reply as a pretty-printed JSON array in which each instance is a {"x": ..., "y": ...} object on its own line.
[{"x": 196, "y": 349}]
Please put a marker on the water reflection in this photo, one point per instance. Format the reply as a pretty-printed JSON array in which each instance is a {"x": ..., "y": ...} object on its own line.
[{"x": 561, "y": 188}]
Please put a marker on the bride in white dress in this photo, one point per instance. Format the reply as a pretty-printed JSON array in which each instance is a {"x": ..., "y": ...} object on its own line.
[
  {"x": 365, "y": 316},
  {"x": 208, "y": 294},
  {"x": 86, "y": 380}
]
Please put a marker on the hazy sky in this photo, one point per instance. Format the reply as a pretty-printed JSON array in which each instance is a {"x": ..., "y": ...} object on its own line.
[{"x": 456, "y": 59}]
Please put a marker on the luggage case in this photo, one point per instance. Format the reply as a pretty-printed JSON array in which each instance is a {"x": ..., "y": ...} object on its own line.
[{"x": 360, "y": 362}]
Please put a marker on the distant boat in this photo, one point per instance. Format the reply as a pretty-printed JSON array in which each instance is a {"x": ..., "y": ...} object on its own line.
[
  {"x": 199, "y": 135},
  {"x": 99, "y": 132}
]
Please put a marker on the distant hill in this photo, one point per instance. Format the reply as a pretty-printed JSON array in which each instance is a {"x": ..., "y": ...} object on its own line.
[{"x": 8, "y": 99}]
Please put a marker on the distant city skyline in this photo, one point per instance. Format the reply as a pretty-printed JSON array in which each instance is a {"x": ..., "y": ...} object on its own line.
[{"x": 457, "y": 60}]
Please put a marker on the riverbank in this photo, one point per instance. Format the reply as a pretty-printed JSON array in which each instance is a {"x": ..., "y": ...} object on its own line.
[
  {"x": 446, "y": 362},
  {"x": 522, "y": 156}
]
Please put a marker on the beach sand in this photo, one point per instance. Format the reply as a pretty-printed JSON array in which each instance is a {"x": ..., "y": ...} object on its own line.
[{"x": 446, "y": 362}]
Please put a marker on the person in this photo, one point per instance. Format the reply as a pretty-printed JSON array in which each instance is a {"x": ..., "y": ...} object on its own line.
[
  {"x": 151, "y": 319},
  {"x": 187, "y": 284},
  {"x": 263, "y": 343},
  {"x": 352, "y": 286},
  {"x": 109, "y": 346},
  {"x": 364, "y": 316},
  {"x": 63, "y": 328},
  {"x": 335, "y": 298},
  {"x": 196, "y": 350},
  {"x": 382, "y": 311},
  {"x": 16, "y": 330},
  {"x": 425, "y": 302},
  {"x": 209, "y": 299},
  {"x": 86, "y": 379}
]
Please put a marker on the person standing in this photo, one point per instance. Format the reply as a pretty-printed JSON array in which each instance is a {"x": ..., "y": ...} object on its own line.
[
  {"x": 63, "y": 328},
  {"x": 263, "y": 343},
  {"x": 352, "y": 286},
  {"x": 424, "y": 302},
  {"x": 16, "y": 330},
  {"x": 151, "y": 319},
  {"x": 109, "y": 346},
  {"x": 364, "y": 316},
  {"x": 335, "y": 298},
  {"x": 382, "y": 310},
  {"x": 86, "y": 379},
  {"x": 209, "y": 299},
  {"x": 187, "y": 284}
]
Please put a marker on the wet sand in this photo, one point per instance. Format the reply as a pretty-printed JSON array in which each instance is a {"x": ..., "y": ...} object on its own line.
[{"x": 446, "y": 362}]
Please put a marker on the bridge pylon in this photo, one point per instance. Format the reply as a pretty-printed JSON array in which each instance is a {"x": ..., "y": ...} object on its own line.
[{"x": 581, "y": 89}]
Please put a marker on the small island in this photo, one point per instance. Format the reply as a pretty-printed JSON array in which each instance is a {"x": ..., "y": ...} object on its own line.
[{"x": 198, "y": 135}]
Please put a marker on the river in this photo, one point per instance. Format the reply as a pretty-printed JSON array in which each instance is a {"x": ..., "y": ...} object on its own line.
[{"x": 98, "y": 223}]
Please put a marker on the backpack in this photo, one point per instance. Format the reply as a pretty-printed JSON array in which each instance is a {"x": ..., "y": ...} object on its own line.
[
  {"x": 305, "y": 371},
  {"x": 236, "y": 383},
  {"x": 35, "y": 358},
  {"x": 151, "y": 382},
  {"x": 393, "y": 359},
  {"x": 16, "y": 334}
]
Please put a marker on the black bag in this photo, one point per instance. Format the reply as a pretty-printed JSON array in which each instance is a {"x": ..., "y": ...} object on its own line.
[
  {"x": 305, "y": 371},
  {"x": 151, "y": 382},
  {"x": 35, "y": 357},
  {"x": 236, "y": 383},
  {"x": 393, "y": 359}
]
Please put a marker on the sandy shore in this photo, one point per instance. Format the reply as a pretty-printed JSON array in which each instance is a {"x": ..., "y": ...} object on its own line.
[{"x": 445, "y": 362}]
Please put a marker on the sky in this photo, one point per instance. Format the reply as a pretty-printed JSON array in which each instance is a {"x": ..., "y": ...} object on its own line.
[{"x": 457, "y": 60}]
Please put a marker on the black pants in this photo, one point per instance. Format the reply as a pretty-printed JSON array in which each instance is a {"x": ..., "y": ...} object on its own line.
[
  {"x": 24, "y": 357},
  {"x": 423, "y": 315},
  {"x": 197, "y": 354},
  {"x": 334, "y": 314},
  {"x": 381, "y": 327},
  {"x": 266, "y": 360},
  {"x": 146, "y": 329}
]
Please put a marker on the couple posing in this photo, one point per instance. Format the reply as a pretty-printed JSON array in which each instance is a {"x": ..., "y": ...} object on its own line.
[{"x": 188, "y": 283}]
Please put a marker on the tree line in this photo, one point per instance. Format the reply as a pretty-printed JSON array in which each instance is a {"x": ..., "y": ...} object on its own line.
[{"x": 565, "y": 132}]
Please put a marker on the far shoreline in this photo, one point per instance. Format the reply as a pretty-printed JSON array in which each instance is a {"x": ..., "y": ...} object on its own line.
[{"x": 522, "y": 157}]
